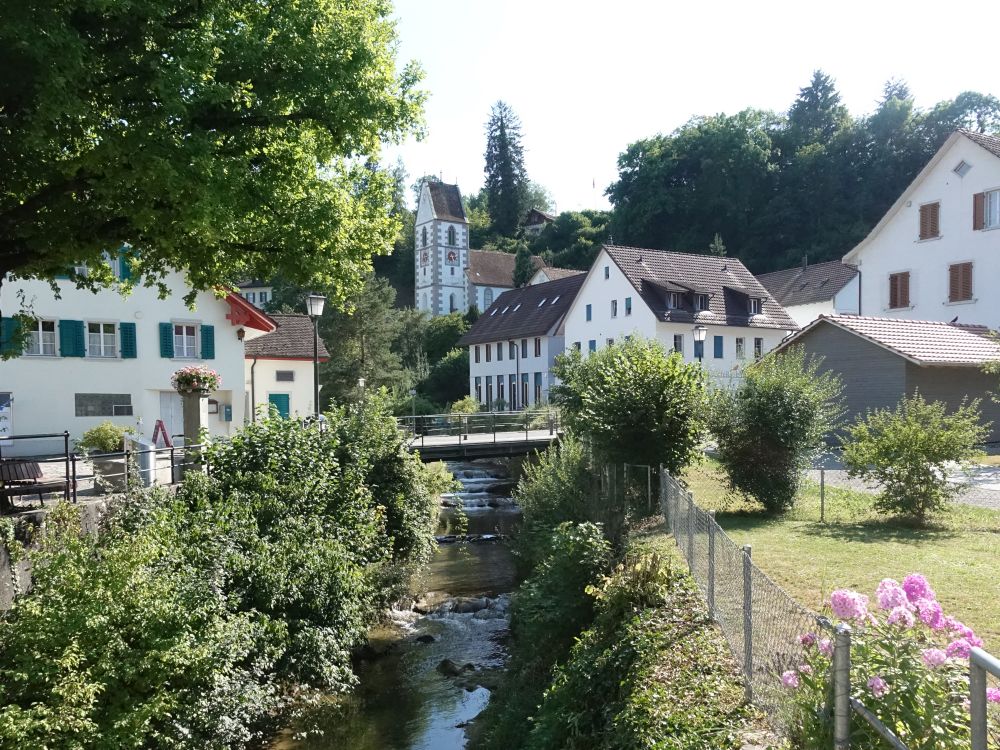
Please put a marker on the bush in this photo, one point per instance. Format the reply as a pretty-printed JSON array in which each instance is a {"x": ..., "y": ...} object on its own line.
[
  {"x": 772, "y": 424},
  {"x": 634, "y": 402},
  {"x": 466, "y": 405},
  {"x": 909, "y": 450},
  {"x": 107, "y": 437},
  {"x": 449, "y": 377},
  {"x": 909, "y": 666}
]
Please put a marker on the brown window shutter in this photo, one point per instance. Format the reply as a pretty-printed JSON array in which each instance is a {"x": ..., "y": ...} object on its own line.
[
  {"x": 954, "y": 283},
  {"x": 930, "y": 220},
  {"x": 979, "y": 211},
  {"x": 904, "y": 292},
  {"x": 899, "y": 290},
  {"x": 967, "y": 281}
]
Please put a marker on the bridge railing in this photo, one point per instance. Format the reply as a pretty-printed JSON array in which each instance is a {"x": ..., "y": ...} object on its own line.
[{"x": 493, "y": 424}]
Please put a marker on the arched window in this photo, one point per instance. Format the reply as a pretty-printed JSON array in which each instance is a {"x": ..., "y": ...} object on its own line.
[
  {"x": 423, "y": 236},
  {"x": 488, "y": 297},
  {"x": 451, "y": 235},
  {"x": 451, "y": 302}
]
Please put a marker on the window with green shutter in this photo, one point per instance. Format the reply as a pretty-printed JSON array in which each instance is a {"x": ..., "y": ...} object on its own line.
[
  {"x": 167, "y": 340},
  {"x": 208, "y": 342},
  {"x": 124, "y": 269},
  {"x": 9, "y": 336},
  {"x": 126, "y": 332},
  {"x": 71, "y": 338}
]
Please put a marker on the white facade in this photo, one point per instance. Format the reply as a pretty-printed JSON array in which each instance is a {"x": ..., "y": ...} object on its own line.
[
  {"x": 894, "y": 245},
  {"x": 845, "y": 302},
  {"x": 617, "y": 311},
  {"x": 101, "y": 356},
  {"x": 268, "y": 380},
  {"x": 257, "y": 295},
  {"x": 441, "y": 257},
  {"x": 483, "y": 296},
  {"x": 492, "y": 369}
]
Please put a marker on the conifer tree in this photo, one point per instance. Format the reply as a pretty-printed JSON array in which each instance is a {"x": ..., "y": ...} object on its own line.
[
  {"x": 524, "y": 269},
  {"x": 506, "y": 178}
]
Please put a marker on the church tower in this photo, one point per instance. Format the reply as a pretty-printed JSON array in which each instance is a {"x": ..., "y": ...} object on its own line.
[{"x": 441, "y": 250}]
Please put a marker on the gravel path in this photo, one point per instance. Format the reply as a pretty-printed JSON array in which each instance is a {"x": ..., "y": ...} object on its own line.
[{"x": 984, "y": 490}]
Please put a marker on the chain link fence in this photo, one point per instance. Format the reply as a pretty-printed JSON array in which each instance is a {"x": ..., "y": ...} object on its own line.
[{"x": 761, "y": 622}]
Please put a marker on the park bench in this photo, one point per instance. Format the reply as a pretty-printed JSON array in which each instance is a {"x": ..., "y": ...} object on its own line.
[{"x": 20, "y": 477}]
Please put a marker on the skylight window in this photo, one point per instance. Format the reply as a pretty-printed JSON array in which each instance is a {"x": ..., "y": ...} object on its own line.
[
  {"x": 493, "y": 312},
  {"x": 505, "y": 310},
  {"x": 962, "y": 168},
  {"x": 555, "y": 299},
  {"x": 517, "y": 307},
  {"x": 542, "y": 302}
]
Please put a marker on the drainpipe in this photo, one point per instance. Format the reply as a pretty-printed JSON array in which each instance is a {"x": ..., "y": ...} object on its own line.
[
  {"x": 253, "y": 392},
  {"x": 859, "y": 293}
]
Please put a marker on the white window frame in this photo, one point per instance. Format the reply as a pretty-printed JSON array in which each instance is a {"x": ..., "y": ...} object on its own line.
[
  {"x": 614, "y": 308},
  {"x": 758, "y": 347},
  {"x": 741, "y": 347},
  {"x": 673, "y": 300},
  {"x": 178, "y": 353},
  {"x": 36, "y": 344},
  {"x": 991, "y": 209},
  {"x": 262, "y": 297},
  {"x": 756, "y": 306},
  {"x": 700, "y": 302},
  {"x": 103, "y": 343}
]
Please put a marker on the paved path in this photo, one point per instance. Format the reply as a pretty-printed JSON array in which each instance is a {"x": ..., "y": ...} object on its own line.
[{"x": 983, "y": 481}]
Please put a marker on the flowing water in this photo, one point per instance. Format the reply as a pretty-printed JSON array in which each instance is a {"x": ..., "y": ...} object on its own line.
[{"x": 436, "y": 662}]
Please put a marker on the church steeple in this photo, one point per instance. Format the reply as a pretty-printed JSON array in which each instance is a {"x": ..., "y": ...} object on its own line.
[{"x": 441, "y": 253}]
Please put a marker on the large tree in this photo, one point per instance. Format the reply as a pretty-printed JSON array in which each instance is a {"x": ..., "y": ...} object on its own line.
[
  {"x": 224, "y": 138},
  {"x": 506, "y": 179}
]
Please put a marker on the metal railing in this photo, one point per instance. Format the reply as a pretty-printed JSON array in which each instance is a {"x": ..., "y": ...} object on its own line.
[
  {"x": 492, "y": 424},
  {"x": 762, "y": 624}
]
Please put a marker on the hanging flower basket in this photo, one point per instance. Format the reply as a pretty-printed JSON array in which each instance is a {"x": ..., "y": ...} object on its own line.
[{"x": 195, "y": 379}]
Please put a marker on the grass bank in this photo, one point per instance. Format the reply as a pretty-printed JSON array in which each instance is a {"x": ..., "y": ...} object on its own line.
[{"x": 856, "y": 547}]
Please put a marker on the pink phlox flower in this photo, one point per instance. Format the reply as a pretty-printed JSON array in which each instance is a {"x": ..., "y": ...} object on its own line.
[
  {"x": 878, "y": 686},
  {"x": 849, "y": 605},
  {"x": 890, "y": 594},
  {"x": 790, "y": 679},
  {"x": 916, "y": 588},
  {"x": 933, "y": 657},
  {"x": 901, "y": 616},
  {"x": 993, "y": 695},
  {"x": 826, "y": 647},
  {"x": 959, "y": 648},
  {"x": 930, "y": 613},
  {"x": 805, "y": 669},
  {"x": 807, "y": 639}
]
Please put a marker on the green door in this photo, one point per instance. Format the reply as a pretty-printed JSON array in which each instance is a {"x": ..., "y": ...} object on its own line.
[{"x": 279, "y": 401}]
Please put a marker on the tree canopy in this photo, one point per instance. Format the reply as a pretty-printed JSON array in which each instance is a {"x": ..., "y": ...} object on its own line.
[
  {"x": 222, "y": 138},
  {"x": 506, "y": 179}
]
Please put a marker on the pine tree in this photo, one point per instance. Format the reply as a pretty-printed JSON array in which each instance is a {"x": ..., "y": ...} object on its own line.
[
  {"x": 716, "y": 247},
  {"x": 506, "y": 178},
  {"x": 524, "y": 269}
]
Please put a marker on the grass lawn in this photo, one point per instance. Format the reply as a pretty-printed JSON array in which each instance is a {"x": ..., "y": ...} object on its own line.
[{"x": 856, "y": 548}]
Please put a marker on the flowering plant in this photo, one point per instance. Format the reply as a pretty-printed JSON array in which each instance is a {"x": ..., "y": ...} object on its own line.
[
  {"x": 909, "y": 667},
  {"x": 194, "y": 378}
]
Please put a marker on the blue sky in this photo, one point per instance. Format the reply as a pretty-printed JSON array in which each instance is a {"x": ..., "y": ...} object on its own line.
[{"x": 588, "y": 78}]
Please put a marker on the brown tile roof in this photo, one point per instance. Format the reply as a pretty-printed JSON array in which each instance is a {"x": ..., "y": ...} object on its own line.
[
  {"x": 809, "y": 284},
  {"x": 446, "y": 201},
  {"x": 990, "y": 142},
  {"x": 726, "y": 281},
  {"x": 923, "y": 342},
  {"x": 538, "y": 216},
  {"x": 494, "y": 268},
  {"x": 554, "y": 273},
  {"x": 292, "y": 340},
  {"x": 529, "y": 311}
]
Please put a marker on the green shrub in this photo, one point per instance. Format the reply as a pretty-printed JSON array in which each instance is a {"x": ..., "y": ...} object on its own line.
[
  {"x": 772, "y": 424},
  {"x": 550, "y": 609},
  {"x": 448, "y": 379},
  {"x": 634, "y": 402},
  {"x": 465, "y": 405},
  {"x": 909, "y": 451},
  {"x": 107, "y": 437}
]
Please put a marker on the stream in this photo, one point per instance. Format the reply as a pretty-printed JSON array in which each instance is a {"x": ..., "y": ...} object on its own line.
[{"x": 434, "y": 664}]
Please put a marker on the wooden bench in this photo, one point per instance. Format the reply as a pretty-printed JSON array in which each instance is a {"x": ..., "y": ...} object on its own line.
[{"x": 21, "y": 477}]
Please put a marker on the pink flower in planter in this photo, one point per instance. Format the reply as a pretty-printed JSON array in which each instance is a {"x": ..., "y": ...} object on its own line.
[
  {"x": 916, "y": 588},
  {"x": 901, "y": 616},
  {"x": 878, "y": 686},
  {"x": 933, "y": 657},
  {"x": 790, "y": 679},
  {"x": 890, "y": 594},
  {"x": 849, "y": 605}
]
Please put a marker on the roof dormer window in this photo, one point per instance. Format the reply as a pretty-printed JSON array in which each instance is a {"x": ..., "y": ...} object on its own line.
[
  {"x": 755, "y": 306},
  {"x": 701, "y": 302},
  {"x": 673, "y": 300}
]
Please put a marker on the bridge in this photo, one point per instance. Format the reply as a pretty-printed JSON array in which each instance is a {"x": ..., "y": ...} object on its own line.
[{"x": 452, "y": 437}]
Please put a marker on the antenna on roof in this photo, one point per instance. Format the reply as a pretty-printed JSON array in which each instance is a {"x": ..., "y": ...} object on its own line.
[{"x": 805, "y": 261}]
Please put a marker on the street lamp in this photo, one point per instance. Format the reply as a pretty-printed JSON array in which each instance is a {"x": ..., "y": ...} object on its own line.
[
  {"x": 699, "y": 338},
  {"x": 314, "y": 306}
]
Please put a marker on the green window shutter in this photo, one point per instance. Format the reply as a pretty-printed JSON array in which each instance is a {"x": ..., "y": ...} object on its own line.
[
  {"x": 126, "y": 332},
  {"x": 125, "y": 270},
  {"x": 167, "y": 340},
  {"x": 71, "y": 338},
  {"x": 9, "y": 336},
  {"x": 208, "y": 342}
]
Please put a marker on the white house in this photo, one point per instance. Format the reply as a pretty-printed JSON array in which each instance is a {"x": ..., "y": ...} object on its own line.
[
  {"x": 279, "y": 368},
  {"x": 674, "y": 297},
  {"x": 514, "y": 342},
  {"x": 935, "y": 254},
  {"x": 92, "y": 357},
  {"x": 806, "y": 292},
  {"x": 449, "y": 276},
  {"x": 257, "y": 292}
]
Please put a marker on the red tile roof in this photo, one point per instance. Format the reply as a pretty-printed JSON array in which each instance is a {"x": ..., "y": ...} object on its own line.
[
  {"x": 990, "y": 142},
  {"x": 494, "y": 268},
  {"x": 293, "y": 339},
  {"x": 804, "y": 285},
  {"x": 923, "y": 342},
  {"x": 447, "y": 201}
]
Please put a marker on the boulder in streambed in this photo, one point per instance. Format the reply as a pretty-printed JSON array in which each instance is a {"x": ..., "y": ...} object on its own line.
[{"x": 450, "y": 669}]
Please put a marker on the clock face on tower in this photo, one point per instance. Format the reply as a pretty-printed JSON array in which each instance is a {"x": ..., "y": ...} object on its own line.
[
  {"x": 424, "y": 258},
  {"x": 452, "y": 258}
]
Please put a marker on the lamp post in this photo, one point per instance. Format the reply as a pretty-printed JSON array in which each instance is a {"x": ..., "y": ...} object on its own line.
[
  {"x": 699, "y": 338},
  {"x": 413, "y": 403},
  {"x": 314, "y": 306}
]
